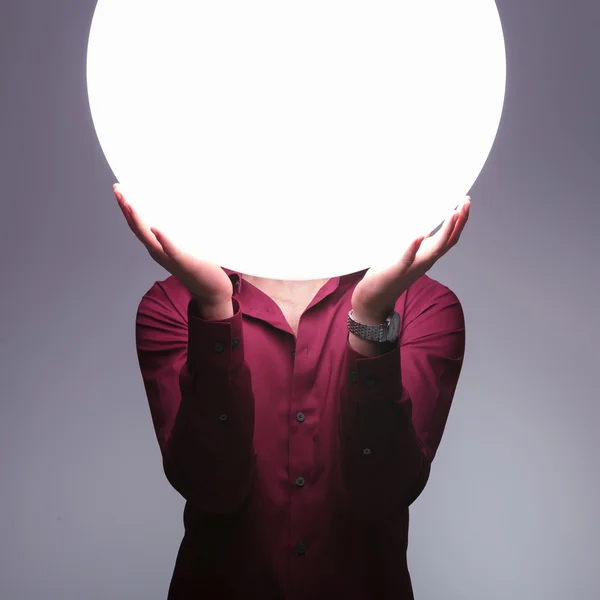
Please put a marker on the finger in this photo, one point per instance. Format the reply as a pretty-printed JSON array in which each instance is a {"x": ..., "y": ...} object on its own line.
[
  {"x": 139, "y": 228},
  {"x": 125, "y": 210},
  {"x": 437, "y": 245},
  {"x": 409, "y": 256},
  {"x": 433, "y": 247},
  {"x": 442, "y": 244},
  {"x": 441, "y": 238},
  {"x": 460, "y": 224},
  {"x": 144, "y": 233},
  {"x": 169, "y": 248},
  {"x": 436, "y": 231}
]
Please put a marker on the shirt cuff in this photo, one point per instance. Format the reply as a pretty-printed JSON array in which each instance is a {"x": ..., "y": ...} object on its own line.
[
  {"x": 216, "y": 346},
  {"x": 377, "y": 376}
]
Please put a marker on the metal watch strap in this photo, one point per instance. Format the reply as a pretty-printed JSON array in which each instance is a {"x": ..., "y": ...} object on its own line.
[{"x": 374, "y": 333}]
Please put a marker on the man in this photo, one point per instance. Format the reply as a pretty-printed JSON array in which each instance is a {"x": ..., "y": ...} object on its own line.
[{"x": 299, "y": 434}]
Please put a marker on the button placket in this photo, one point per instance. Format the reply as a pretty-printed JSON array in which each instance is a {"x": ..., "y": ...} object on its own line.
[{"x": 219, "y": 347}]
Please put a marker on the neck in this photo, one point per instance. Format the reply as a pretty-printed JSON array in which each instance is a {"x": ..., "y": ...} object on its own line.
[{"x": 285, "y": 287}]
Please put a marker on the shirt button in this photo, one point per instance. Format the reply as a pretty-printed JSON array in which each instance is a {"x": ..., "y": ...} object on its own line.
[
  {"x": 293, "y": 354},
  {"x": 353, "y": 376},
  {"x": 370, "y": 382},
  {"x": 300, "y": 417},
  {"x": 301, "y": 549},
  {"x": 367, "y": 451},
  {"x": 300, "y": 481},
  {"x": 223, "y": 417},
  {"x": 235, "y": 342},
  {"x": 218, "y": 347}
]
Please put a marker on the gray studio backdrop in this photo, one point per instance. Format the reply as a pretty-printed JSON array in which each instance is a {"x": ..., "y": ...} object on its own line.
[{"x": 512, "y": 506}]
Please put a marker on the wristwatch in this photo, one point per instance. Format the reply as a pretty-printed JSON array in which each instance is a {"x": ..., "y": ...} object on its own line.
[{"x": 386, "y": 332}]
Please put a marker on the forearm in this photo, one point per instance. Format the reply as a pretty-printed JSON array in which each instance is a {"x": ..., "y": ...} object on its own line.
[
  {"x": 395, "y": 404},
  {"x": 210, "y": 455},
  {"x": 209, "y": 458},
  {"x": 383, "y": 463},
  {"x": 382, "y": 460}
]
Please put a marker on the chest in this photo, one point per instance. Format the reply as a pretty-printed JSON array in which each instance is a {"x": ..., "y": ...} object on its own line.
[
  {"x": 292, "y": 300},
  {"x": 292, "y": 311}
]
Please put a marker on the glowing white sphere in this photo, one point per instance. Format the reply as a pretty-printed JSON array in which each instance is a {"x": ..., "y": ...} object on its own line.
[{"x": 296, "y": 140}]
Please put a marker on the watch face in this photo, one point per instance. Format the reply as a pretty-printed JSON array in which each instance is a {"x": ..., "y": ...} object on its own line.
[{"x": 394, "y": 328}]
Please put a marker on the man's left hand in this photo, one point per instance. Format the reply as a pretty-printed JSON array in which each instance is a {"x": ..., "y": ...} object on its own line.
[{"x": 375, "y": 296}]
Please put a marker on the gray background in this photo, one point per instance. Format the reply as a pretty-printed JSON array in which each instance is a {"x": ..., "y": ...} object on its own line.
[{"x": 511, "y": 509}]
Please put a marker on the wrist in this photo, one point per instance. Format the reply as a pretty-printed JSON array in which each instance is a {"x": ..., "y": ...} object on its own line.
[
  {"x": 213, "y": 312},
  {"x": 370, "y": 317},
  {"x": 367, "y": 347}
]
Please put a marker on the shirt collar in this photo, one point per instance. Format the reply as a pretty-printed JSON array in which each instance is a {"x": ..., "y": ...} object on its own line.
[{"x": 334, "y": 282}]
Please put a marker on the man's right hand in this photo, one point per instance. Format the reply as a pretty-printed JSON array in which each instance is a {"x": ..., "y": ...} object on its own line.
[{"x": 208, "y": 284}]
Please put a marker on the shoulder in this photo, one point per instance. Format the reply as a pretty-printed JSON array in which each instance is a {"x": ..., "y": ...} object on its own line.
[
  {"x": 428, "y": 297},
  {"x": 166, "y": 295},
  {"x": 426, "y": 290}
]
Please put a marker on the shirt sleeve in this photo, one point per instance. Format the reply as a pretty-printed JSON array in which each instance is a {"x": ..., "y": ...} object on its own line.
[
  {"x": 199, "y": 390},
  {"x": 394, "y": 407}
]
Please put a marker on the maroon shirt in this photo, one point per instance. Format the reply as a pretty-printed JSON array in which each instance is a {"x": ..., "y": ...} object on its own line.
[{"x": 298, "y": 458}]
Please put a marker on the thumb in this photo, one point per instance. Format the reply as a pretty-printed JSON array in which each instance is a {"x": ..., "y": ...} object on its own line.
[
  {"x": 167, "y": 245},
  {"x": 411, "y": 252}
]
